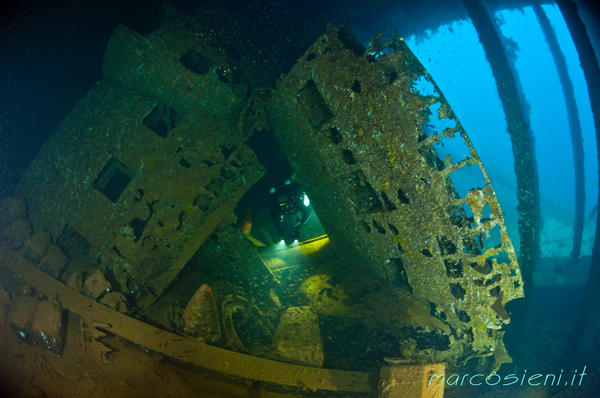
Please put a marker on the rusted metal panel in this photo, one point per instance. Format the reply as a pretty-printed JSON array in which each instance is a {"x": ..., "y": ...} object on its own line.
[
  {"x": 179, "y": 65},
  {"x": 141, "y": 176},
  {"x": 355, "y": 126}
]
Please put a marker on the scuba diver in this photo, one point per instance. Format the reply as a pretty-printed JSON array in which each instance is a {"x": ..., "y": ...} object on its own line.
[{"x": 288, "y": 210}]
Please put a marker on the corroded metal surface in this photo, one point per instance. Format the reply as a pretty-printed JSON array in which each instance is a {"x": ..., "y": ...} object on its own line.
[
  {"x": 355, "y": 126},
  {"x": 139, "y": 175},
  {"x": 178, "y": 64}
]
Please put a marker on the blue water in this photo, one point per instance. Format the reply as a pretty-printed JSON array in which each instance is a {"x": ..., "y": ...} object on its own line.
[
  {"x": 453, "y": 55},
  {"x": 456, "y": 60}
]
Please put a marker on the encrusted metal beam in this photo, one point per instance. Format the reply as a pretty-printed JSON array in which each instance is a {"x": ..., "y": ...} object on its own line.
[{"x": 355, "y": 127}]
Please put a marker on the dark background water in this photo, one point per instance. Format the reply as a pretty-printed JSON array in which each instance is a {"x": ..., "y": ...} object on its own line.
[
  {"x": 50, "y": 56},
  {"x": 51, "y": 51}
]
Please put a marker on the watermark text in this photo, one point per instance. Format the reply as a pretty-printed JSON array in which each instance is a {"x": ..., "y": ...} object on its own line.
[{"x": 562, "y": 378}]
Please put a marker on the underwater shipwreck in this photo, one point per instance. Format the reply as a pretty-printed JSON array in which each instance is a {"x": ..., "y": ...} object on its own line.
[{"x": 127, "y": 223}]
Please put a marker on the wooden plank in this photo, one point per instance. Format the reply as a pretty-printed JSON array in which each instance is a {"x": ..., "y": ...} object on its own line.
[{"x": 228, "y": 363}]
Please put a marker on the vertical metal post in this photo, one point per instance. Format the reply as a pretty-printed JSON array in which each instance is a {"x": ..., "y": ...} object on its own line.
[
  {"x": 518, "y": 128},
  {"x": 591, "y": 71},
  {"x": 574, "y": 126}
]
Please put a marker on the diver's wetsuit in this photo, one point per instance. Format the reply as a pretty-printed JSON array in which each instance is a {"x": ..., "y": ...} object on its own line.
[{"x": 286, "y": 206}]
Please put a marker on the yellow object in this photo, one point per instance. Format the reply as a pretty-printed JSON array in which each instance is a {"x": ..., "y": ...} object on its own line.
[
  {"x": 278, "y": 258},
  {"x": 254, "y": 241}
]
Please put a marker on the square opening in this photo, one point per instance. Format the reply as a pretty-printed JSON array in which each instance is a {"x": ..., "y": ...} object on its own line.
[
  {"x": 314, "y": 105},
  {"x": 113, "y": 179},
  {"x": 196, "y": 62},
  {"x": 467, "y": 178},
  {"x": 361, "y": 194},
  {"x": 162, "y": 119}
]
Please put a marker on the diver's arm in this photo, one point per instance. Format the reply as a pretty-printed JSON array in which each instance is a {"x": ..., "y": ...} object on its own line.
[{"x": 305, "y": 211}]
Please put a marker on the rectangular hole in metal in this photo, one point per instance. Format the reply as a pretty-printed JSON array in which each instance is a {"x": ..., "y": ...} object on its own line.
[
  {"x": 113, "y": 179},
  {"x": 361, "y": 194},
  {"x": 470, "y": 215},
  {"x": 452, "y": 150},
  {"x": 467, "y": 178},
  {"x": 162, "y": 119},
  {"x": 494, "y": 239},
  {"x": 196, "y": 62},
  {"x": 434, "y": 124},
  {"x": 313, "y": 104}
]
